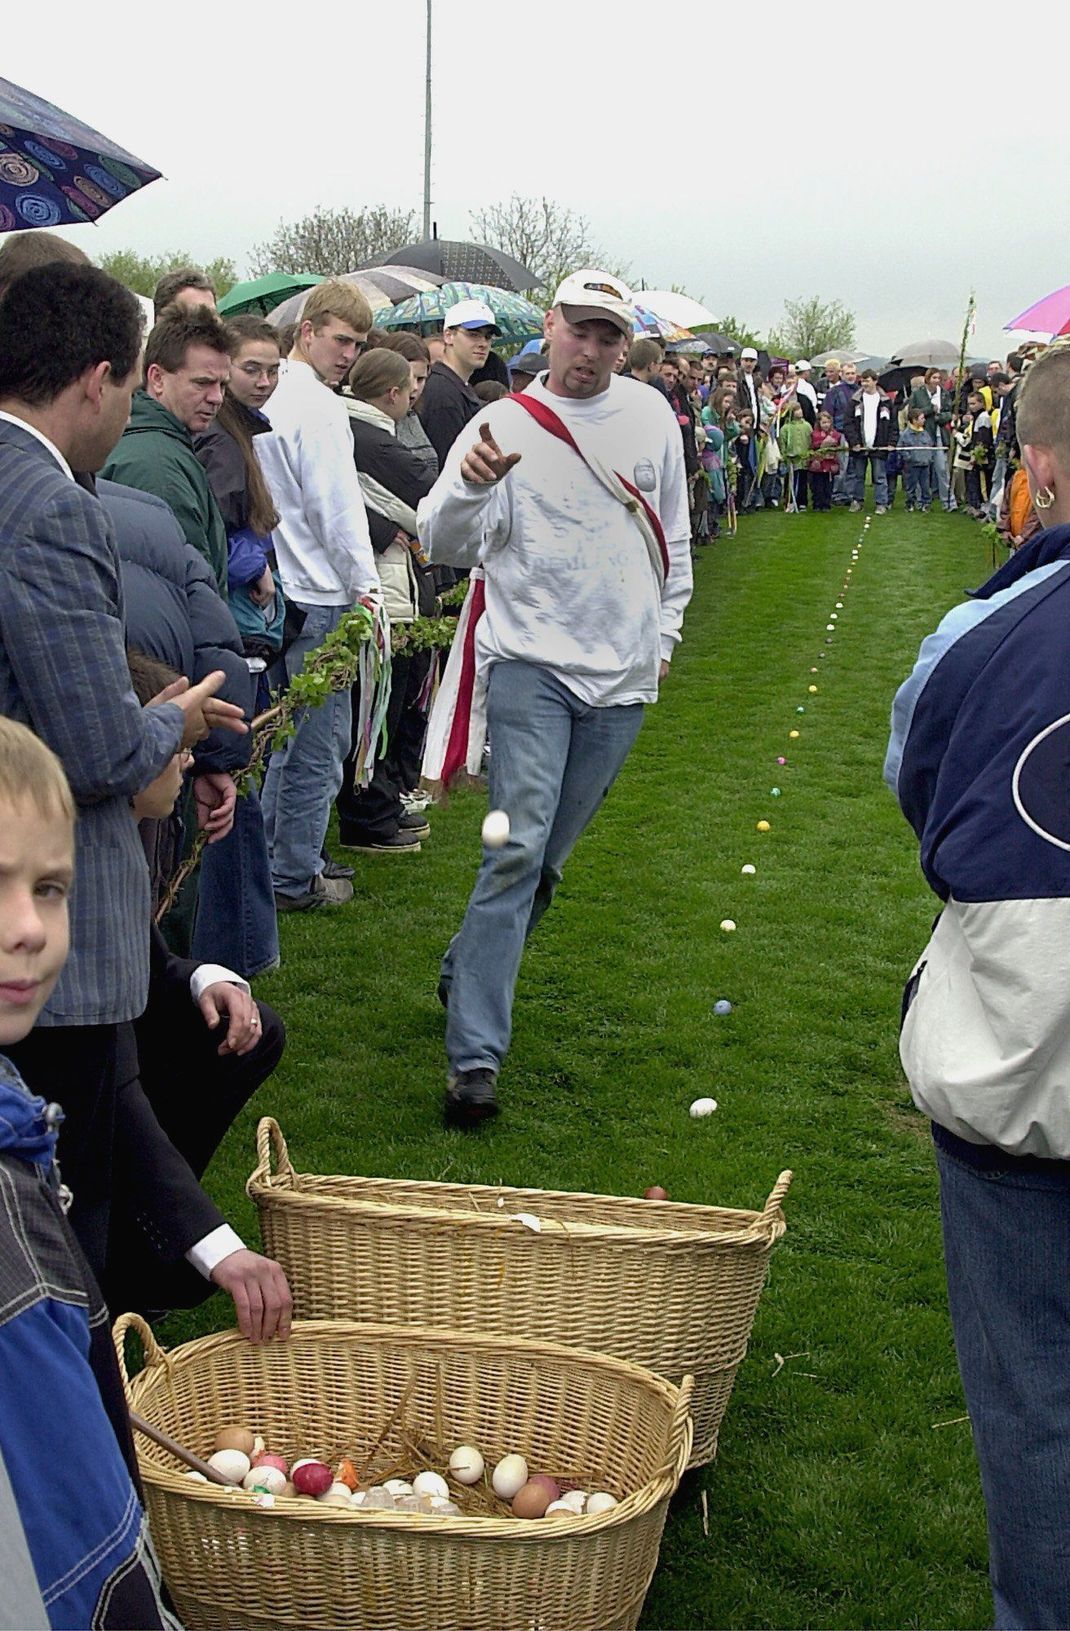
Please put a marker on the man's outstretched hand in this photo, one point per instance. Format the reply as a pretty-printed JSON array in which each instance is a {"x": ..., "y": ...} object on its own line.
[
  {"x": 262, "y": 1299},
  {"x": 485, "y": 463}
]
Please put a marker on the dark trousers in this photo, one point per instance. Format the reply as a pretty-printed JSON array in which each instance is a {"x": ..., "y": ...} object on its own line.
[
  {"x": 374, "y": 811},
  {"x": 918, "y": 481},
  {"x": 977, "y": 487},
  {"x": 406, "y": 751},
  {"x": 821, "y": 489},
  {"x": 801, "y": 479}
]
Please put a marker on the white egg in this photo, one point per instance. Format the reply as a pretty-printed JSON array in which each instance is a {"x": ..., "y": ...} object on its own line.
[
  {"x": 728, "y": 925},
  {"x": 748, "y": 871},
  {"x": 398, "y": 1486},
  {"x": 197, "y": 1477},
  {"x": 510, "y": 1475},
  {"x": 430, "y": 1483},
  {"x": 445, "y": 1509},
  {"x": 575, "y": 1499},
  {"x": 269, "y": 1479},
  {"x": 600, "y": 1501},
  {"x": 338, "y": 1490},
  {"x": 231, "y": 1464},
  {"x": 560, "y": 1506},
  {"x": 703, "y": 1107},
  {"x": 258, "y": 1445},
  {"x": 358, "y": 1497},
  {"x": 466, "y": 1464},
  {"x": 496, "y": 829}
]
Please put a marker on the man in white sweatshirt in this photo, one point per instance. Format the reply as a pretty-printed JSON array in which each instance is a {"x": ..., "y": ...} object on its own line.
[
  {"x": 326, "y": 565},
  {"x": 583, "y": 534}
]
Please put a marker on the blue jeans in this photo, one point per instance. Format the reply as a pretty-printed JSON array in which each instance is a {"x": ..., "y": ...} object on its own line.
[
  {"x": 306, "y": 772},
  {"x": 856, "y": 478},
  {"x": 553, "y": 759},
  {"x": 1007, "y": 1245},
  {"x": 918, "y": 486},
  {"x": 947, "y": 497},
  {"x": 840, "y": 495},
  {"x": 999, "y": 476},
  {"x": 236, "y": 923}
]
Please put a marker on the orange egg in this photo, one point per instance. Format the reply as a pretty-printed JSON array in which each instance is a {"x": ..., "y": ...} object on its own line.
[
  {"x": 347, "y": 1473},
  {"x": 532, "y": 1500}
]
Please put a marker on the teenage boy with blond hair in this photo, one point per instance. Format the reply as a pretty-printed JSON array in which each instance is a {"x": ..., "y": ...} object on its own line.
[{"x": 326, "y": 566}]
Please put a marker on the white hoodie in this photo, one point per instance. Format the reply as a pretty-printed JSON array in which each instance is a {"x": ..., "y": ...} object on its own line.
[
  {"x": 569, "y": 583},
  {"x": 321, "y": 542}
]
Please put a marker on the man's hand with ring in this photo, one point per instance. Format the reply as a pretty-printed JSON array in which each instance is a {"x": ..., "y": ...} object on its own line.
[
  {"x": 224, "y": 1001},
  {"x": 485, "y": 463}
]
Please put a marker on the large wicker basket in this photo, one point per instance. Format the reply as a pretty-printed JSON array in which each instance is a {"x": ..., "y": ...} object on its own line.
[
  {"x": 670, "y": 1287},
  {"x": 371, "y": 1391}
]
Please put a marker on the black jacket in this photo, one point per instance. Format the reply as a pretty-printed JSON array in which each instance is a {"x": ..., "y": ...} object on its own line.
[
  {"x": 174, "y": 612},
  {"x": 445, "y": 407},
  {"x": 222, "y": 458},
  {"x": 401, "y": 472},
  {"x": 854, "y": 427}
]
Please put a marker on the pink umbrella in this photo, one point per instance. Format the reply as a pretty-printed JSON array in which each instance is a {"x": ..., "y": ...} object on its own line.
[{"x": 1047, "y": 319}]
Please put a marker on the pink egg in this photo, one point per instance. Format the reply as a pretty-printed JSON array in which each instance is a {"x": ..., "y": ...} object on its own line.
[
  {"x": 266, "y": 1459},
  {"x": 313, "y": 1478}
]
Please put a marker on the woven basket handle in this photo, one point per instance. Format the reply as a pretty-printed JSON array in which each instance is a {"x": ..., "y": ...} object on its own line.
[
  {"x": 154, "y": 1354},
  {"x": 680, "y": 1428},
  {"x": 269, "y": 1138},
  {"x": 776, "y": 1195}
]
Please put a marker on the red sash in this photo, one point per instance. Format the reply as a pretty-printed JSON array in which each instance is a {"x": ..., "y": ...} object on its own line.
[
  {"x": 548, "y": 419},
  {"x": 456, "y": 753}
]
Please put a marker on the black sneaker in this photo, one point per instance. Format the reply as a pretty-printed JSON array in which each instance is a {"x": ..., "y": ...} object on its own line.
[
  {"x": 415, "y": 823},
  {"x": 470, "y": 1098},
  {"x": 335, "y": 869},
  {"x": 398, "y": 843}
]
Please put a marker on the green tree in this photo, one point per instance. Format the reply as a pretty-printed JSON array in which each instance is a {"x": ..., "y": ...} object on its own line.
[
  {"x": 548, "y": 238},
  {"x": 141, "y": 273},
  {"x": 332, "y": 242},
  {"x": 812, "y": 326}
]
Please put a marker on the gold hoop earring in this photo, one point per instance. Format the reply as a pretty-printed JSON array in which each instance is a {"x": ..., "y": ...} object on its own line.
[{"x": 1044, "y": 498}]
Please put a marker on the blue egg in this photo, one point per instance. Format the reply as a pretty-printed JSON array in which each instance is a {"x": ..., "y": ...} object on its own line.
[{"x": 722, "y": 1006}]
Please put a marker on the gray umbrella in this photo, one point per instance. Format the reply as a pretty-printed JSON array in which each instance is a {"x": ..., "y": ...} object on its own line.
[
  {"x": 383, "y": 286},
  {"x": 458, "y": 262},
  {"x": 927, "y": 354}
]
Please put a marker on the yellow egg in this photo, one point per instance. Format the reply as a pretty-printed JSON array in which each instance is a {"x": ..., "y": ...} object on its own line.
[
  {"x": 763, "y": 826},
  {"x": 793, "y": 735}
]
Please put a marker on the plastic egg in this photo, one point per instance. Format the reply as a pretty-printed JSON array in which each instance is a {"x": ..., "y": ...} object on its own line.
[
  {"x": 236, "y": 1438},
  {"x": 466, "y": 1464},
  {"x": 358, "y": 1497},
  {"x": 509, "y": 1476},
  {"x": 531, "y": 1500},
  {"x": 230, "y": 1464},
  {"x": 311, "y": 1477},
  {"x": 444, "y": 1509},
  {"x": 398, "y": 1486},
  {"x": 378, "y": 1499},
  {"x": 265, "y": 1478},
  {"x": 431, "y": 1483},
  {"x": 600, "y": 1501},
  {"x": 703, "y": 1107}
]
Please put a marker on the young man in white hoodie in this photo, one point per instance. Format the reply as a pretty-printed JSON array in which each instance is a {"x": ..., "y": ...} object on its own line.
[
  {"x": 326, "y": 565},
  {"x": 587, "y": 571}
]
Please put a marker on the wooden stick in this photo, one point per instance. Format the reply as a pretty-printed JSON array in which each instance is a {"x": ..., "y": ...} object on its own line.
[{"x": 167, "y": 1443}]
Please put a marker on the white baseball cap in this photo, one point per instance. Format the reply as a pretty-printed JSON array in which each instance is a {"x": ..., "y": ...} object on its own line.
[
  {"x": 802, "y": 366},
  {"x": 591, "y": 294},
  {"x": 470, "y": 314},
  {"x": 748, "y": 351}
]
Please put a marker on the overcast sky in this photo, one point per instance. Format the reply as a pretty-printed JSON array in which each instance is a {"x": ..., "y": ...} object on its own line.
[{"x": 891, "y": 159}]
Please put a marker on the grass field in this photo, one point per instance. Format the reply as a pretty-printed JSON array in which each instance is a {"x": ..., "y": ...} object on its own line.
[{"x": 839, "y": 1498}]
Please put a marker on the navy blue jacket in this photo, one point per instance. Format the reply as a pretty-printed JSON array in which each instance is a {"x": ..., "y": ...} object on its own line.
[{"x": 174, "y": 611}]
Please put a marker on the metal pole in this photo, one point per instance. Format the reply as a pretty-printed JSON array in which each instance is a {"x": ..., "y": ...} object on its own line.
[{"x": 427, "y": 133}]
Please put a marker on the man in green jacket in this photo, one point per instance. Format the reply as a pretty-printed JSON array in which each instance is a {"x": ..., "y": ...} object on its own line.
[
  {"x": 187, "y": 364},
  {"x": 936, "y": 403}
]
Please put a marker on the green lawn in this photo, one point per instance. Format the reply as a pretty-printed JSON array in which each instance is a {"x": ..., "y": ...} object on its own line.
[{"x": 838, "y": 1498}]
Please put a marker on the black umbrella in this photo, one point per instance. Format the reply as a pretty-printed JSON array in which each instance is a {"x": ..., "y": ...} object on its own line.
[{"x": 458, "y": 262}]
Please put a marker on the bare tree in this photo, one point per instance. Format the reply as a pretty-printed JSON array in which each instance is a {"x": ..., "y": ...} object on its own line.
[
  {"x": 811, "y": 326},
  {"x": 548, "y": 238},
  {"x": 332, "y": 241}
]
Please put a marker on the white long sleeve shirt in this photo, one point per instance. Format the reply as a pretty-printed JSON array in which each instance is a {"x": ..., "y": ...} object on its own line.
[
  {"x": 321, "y": 542},
  {"x": 569, "y": 582}
]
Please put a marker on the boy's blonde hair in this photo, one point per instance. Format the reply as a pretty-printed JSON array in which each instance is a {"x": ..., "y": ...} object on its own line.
[
  {"x": 29, "y": 769},
  {"x": 343, "y": 301}
]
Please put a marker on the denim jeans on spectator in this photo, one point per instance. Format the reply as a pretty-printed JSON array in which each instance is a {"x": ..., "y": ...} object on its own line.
[
  {"x": 553, "y": 759},
  {"x": 947, "y": 498},
  {"x": 306, "y": 772},
  {"x": 918, "y": 486},
  {"x": 236, "y": 923},
  {"x": 840, "y": 494},
  {"x": 856, "y": 478},
  {"x": 999, "y": 476},
  {"x": 1007, "y": 1244}
]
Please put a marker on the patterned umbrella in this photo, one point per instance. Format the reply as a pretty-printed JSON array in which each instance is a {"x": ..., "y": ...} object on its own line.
[
  {"x": 55, "y": 171},
  {"x": 517, "y": 318},
  {"x": 383, "y": 286},
  {"x": 648, "y": 322},
  {"x": 467, "y": 262}
]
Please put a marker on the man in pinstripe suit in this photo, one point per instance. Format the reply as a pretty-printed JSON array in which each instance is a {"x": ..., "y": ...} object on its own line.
[{"x": 69, "y": 345}]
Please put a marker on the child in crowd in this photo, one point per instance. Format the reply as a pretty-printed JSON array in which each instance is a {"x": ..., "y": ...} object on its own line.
[
  {"x": 78, "y": 1551},
  {"x": 973, "y": 456},
  {"x": 712, "y": 456},
  {"x": 825, "y": 443},
  {"x": 745, "y": 449},
  {"x": 795, "y": 449},
  {"x": 916, "y": 451}
]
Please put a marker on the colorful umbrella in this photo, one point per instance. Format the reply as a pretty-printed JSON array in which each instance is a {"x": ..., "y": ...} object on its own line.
[
  {"x": 462, "y": 262},
  {"x": 383, "y": 286},
  {"x": 678, "y": 308},
  {"x": 517, "y": 318},
  {"x": 263, "y": 294},
  {"x": 648, "y": 322},
  {"x": 55, "y": 171},
  {"x": 1045, "y": 320}
]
